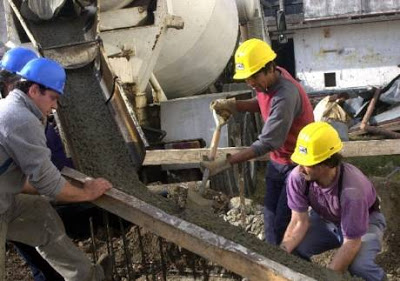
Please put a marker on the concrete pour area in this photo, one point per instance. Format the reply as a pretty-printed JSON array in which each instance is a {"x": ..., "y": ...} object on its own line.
[{"x": 99, "y": 150}]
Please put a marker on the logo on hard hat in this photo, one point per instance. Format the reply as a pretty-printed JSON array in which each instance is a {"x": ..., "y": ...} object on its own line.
[
  {"x": 303, "y": 149},
  {"x": 239, "y": 66}
]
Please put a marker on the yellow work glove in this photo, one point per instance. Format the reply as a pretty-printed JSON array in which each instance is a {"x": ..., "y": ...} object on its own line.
[
  {"x": 217, "y": 166},
  {"x": 224, "y": 107}
]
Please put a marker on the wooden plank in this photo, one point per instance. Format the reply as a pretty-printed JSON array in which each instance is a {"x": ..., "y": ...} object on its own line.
[
  {"x": 228, "y": 254},
  {"x": 194, "y": 156}
]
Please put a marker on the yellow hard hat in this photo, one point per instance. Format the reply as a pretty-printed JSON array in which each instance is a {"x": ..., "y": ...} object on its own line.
[
  {"x": 316, "y": 142},
  {"x": 250, "y": 57}
]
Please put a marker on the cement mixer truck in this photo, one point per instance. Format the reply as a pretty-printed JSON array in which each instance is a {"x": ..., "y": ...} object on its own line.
[{"x": 168, "y": 59}]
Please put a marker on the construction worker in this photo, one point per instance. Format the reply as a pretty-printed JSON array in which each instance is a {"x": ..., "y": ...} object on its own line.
[
  {"x": 26, "y": 170},
  {"x": 285, "y": 108},
  {"x": 12, "y": 62},
  {"x": 345, "y": 208}
]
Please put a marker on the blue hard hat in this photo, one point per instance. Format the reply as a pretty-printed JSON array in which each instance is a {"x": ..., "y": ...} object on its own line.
[
  {"x": 45, "y": 72},
  {"x": 15, "y": 59}
]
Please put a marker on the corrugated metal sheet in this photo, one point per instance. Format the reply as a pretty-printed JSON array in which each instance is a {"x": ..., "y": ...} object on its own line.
[{"x": 314, "y": 9}]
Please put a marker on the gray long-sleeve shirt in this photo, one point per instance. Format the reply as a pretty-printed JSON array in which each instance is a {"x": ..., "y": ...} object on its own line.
[
  {"x": 285, "y": 106},
  {"x": 23, "y": 151}
]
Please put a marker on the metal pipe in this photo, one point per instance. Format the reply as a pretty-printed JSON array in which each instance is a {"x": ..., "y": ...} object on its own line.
[{"x": 159, "y": 95}]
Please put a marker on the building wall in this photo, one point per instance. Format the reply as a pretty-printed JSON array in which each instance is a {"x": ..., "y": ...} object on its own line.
[
  {"x": 314, "y": 9},
  {"x": 357, "y": 55}
]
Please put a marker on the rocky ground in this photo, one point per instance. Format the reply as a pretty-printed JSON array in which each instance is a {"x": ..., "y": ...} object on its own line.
[{"x": 183, "y": 265}]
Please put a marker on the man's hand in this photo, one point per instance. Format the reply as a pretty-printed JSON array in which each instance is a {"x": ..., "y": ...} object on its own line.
[
  {"x": 224, "y": 107},
  {"x": 216, "y": 166},
  {"x": 94, "y": 188}
]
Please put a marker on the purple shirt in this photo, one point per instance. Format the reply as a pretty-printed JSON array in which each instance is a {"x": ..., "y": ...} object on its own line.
[{"x": 358, "y": 195}]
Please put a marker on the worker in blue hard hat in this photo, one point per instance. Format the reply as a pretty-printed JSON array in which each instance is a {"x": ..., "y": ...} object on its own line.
[
  {"x": 12, "y": 62},
  {"x": 26, "y": 170}
]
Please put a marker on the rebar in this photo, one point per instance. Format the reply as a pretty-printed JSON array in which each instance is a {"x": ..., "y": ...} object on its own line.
[
  {"x": 110, "y": 249},
  {"x": 126, "y": 250},
  {"x": 142, "y": 252},
  {"x": 94, "y": 249},
  {"x": 163, "y": 265}
]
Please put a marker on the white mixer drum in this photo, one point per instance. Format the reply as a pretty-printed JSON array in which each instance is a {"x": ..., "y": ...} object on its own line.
[
  {"x": 107, "y": 5},
  {"x": 192, "y": 59}
]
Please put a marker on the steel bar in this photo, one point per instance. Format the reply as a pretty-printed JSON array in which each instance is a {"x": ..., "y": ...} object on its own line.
[
  {"x": 142, "y": 252},
  {"x": 110, "y": 248},
  {"x": 163, "y": 265},
  {"x": 94, "y": 248},
  {"x": 128, "y": 262}
]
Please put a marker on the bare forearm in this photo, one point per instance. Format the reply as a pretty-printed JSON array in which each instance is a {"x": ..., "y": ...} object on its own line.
[
  {"x": 345, "y": 255},
  {"x": 294, "y": 234},
  {"x": 250, "y": 105},
  {"x": 72, "y": 193},
  {"x": 242, "y": 156}
]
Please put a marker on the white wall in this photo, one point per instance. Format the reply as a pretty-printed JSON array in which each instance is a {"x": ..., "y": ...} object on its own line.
[{"x": 359, "y": 54}]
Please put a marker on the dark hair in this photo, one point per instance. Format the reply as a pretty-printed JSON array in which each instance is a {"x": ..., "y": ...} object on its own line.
[
  {"x": 8, "y": 77},
  {"x": 23, "y": 85},
  {"x": 270, "y": 66},
  {"x": 334, "y": 161}
]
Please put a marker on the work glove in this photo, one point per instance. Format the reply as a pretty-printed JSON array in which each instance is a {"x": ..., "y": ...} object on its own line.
[
  {"x": 224, "y": 107},
  {"x": 216, "y": 166}
]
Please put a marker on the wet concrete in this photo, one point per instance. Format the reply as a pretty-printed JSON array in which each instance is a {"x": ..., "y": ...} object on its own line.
[
  {"x": 59, "y": 31},
  {"x": 99, "y": 150}
]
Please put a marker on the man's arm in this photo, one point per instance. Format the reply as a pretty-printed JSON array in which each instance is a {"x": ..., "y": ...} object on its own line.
[
  {"x": 345, "y": 255},
  {"x": 92, "y": 189},
  {"x": 295, "y": 231},
  {"x": 250, "y": 105},
  {"x": 29, "y": 189}
]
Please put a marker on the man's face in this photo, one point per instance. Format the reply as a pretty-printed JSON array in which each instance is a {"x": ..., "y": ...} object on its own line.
[
  {"x": 258, "y": 81},
  {"x": 312, "y": 173},
  {"x": 45, "y": 99}
]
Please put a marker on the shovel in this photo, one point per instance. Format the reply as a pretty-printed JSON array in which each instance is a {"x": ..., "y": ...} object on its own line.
[{"x": 219, "y": 122}]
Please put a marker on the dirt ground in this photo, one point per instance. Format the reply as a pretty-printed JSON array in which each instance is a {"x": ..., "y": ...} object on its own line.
[{"x": 185, "y": 264}]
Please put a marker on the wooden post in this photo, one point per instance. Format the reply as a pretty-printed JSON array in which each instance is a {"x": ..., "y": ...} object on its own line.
[{"x": 370, "y": 109}]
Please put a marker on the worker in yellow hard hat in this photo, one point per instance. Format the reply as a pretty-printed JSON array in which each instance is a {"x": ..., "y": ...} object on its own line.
[
  {"x": 345, "y": 211},
  {"x": 285, "y": 108}
]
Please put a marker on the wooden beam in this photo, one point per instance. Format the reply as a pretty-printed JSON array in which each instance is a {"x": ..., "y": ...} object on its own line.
[
  {"x": 194, "y": 156},
  {"x": 227, "y": 253}
]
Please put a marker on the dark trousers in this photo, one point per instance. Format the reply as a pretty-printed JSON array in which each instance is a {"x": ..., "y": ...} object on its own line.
[
  {"x": 40, "y": 268},
  {"x": 276, "y": 211}
]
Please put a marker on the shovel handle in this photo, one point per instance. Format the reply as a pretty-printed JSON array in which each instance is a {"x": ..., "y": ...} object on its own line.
[{"x": 214, "y": 143}]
